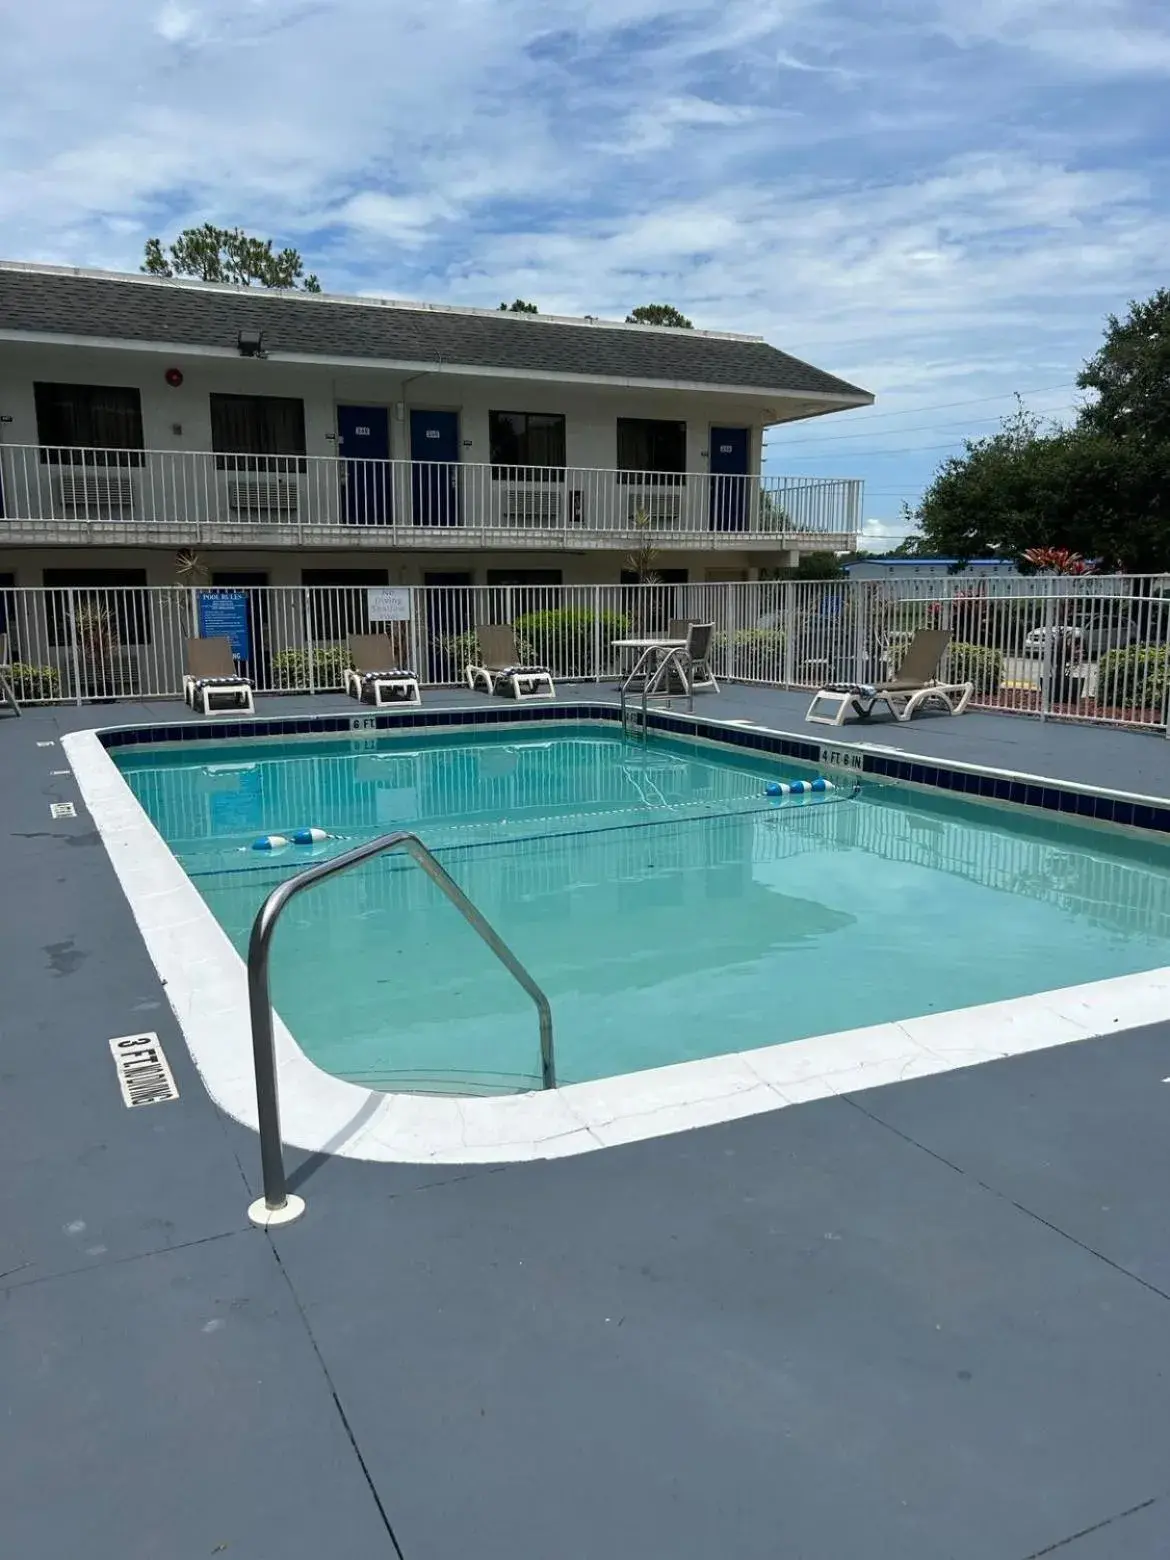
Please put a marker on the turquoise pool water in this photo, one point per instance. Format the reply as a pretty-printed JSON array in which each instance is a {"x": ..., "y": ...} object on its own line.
[{"x": 668, "y": 908}]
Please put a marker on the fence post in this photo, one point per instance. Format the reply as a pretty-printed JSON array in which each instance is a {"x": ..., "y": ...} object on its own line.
[
  {"x": 788, "y": 625},
  {"x": 310, "y": 644},
  {"x": 71, "y": 608},
  {"x": 1047, "y": 659}
]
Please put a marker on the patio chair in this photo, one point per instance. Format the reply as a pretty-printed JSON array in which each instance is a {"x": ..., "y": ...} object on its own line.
[
  {"x": 500, "y": 669},
  {"x": 660, "y": 672},
  {"x": 694, "y": 659},
  {"x": 212, "y": 675},
  {"x": 914, "y": 683},
  {"x": 374, "y": 675},
  {"x": 7, "y": 691}
]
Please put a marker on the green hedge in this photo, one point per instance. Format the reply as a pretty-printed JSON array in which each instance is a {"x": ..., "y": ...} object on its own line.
[
  {"x": 754, "y": 653},
  {"x": 562, "y": 638},
  {"x": 565, "y": 638},
  {"x": 976, "y": 664},
  {"x": 34, "y": 682},
  {"x": 290, "y": 668},
  {"x": 1134, "y": 678}
]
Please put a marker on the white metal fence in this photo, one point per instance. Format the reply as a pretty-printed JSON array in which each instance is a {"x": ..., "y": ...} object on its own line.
[
  {"x": 202, "y": 495},
  {"x": 1089, "y": 650}
]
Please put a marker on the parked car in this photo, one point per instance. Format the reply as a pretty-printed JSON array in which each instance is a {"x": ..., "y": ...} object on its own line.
[
  {"x": 1037, "y": 639},
  {"x": 1085, "y": 641}
]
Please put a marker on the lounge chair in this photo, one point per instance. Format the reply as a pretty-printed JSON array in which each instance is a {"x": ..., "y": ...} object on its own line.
[
  {"x": 7, "y": 691},
  {"x": 374, "y": 675},
  {"x": 915, "y": 682},
  {"x": 500, "y": 669},
  {"x": 211, "y": 674}
]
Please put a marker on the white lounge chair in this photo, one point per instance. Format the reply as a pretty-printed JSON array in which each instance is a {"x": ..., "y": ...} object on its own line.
[
  {"x": 915, "y": 682},
  {"x": 212, "y": 675},
  {"x": 374, "y": 675},
  {"x": 500, "y": 669}
]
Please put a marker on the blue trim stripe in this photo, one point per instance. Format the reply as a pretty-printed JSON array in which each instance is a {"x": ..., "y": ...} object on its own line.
[{"x": 1046, "y": 797}]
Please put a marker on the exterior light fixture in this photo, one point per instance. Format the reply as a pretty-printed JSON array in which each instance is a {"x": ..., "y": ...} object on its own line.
[{"x": 251, "y": 343}]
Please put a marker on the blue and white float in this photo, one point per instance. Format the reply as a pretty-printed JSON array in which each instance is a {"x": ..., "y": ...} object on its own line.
[
  {"x": 797, "y": 787},
  {"x": 271, "y": 842},
  {"x": 294, "y": 837}
]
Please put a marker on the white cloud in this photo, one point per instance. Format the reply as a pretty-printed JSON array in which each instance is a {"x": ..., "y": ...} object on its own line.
[{"x": 930, "y": 200}]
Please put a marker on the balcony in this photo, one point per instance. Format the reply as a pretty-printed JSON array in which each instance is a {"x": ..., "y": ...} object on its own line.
[{"x": 180, "y": 498}]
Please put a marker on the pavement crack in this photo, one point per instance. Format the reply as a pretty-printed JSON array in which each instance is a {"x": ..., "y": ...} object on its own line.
[
  {"x": 133, "y": 1256},
  {"x": 341, "y": 1414},
  {"x": 1011, "y": 1201},
  {"x": 1118, "y": 1516}
]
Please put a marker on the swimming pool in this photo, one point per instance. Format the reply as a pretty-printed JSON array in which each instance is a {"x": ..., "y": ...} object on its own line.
[{"x": 669, "y": 909}]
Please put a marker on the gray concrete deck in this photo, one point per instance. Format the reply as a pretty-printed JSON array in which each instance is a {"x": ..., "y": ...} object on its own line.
[{"x": 927, "y": 1321}]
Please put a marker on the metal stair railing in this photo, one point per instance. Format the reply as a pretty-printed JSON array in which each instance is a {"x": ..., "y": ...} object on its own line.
[{"x": 278, "y": 1205}]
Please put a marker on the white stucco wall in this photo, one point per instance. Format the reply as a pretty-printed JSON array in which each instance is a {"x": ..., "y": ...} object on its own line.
[
  {"x": 284, "y": 567},
  {"x": 180, "y": 419}
]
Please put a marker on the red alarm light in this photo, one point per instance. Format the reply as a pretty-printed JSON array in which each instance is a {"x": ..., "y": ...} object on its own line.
[{"x": 174, "y": 377}]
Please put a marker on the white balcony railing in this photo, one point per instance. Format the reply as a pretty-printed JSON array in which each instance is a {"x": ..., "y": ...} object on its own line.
[{"x": 55, "y": 494}]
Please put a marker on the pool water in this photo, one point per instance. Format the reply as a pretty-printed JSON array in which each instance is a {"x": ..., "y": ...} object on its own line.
[{"x": 667, "y": 906}]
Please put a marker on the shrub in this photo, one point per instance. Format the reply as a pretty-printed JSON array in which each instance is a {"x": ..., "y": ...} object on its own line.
[
  {"x": 566, "y": 639},
  {"x": 1136, "y": 677},
  {"x": 974, "y": 663},
  {"x": 33, "y": 683},
  {"x": 754, "y": 653},
  {"x": 290, "y": 668}
]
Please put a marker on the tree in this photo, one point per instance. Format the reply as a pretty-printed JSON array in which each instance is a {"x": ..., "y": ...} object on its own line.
[
  {"x": 519, "y": 306},
  {"x": 818, "y": 566},
  {"x": 227, "y": 255},
  {"x": 658, "y": 314},
  {"x": 1100, "y": 488}
]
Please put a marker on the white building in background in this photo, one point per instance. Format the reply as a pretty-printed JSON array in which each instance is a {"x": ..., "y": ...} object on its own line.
[
  {"x": 932, "y": 568},
  {"x": 292, "y": 438}
]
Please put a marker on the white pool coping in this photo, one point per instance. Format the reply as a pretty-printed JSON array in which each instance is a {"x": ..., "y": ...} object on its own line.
[{"x": 206, "y": 984}]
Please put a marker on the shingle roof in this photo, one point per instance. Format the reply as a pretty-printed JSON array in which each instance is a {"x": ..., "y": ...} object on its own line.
[{"x": 131, "y": 308}]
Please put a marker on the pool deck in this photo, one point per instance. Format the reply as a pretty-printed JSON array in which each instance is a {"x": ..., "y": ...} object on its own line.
[{"x": 925, "y": 1322}]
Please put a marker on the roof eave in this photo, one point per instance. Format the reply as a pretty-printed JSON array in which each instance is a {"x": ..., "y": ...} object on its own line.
[{"x": 831, "y": 400}]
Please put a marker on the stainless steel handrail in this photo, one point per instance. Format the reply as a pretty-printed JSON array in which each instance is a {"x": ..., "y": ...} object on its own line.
[
  {"x": 275, "y": 1206},
  {"x": 657, "y": 684}
]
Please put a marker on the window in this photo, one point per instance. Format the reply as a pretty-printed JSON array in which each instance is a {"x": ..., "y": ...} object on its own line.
[
  {"x": 656, "y": 450},
  {"x": 653, "y": 605},
  {"x": 524, "y": 576},
  {"x": 91, "y": 425},
  {"x": 258, "y": 432},
  {"x": 338, "y": 603},
  {"x": 110, "y": 615},
  {"x": 527, "y": 439}
]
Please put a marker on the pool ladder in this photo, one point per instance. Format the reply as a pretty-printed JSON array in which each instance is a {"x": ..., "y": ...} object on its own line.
[
  {"x": 652, "y": 684},
  {"x": 277, "y": 1206}
]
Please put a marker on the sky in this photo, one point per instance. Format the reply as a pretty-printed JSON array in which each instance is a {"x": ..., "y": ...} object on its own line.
[{"x": 939, "y": 200}]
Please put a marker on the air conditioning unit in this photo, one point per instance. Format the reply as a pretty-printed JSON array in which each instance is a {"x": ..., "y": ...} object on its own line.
[
  {"x": 262, "y": 496},
  {"x": 663, "y": 510},
  {"x": 96, "y": 493},
  {"x": 530, "y": 507}
]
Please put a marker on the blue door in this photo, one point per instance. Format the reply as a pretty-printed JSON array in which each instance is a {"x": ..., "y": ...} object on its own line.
[
  {"x": 729, "y": 478},
  {"x": 434, "y": 471},
  {"x": 363, "y": 440}
]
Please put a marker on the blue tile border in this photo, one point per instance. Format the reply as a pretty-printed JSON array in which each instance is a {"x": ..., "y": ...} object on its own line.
[{"x": 1047, "y": 797}]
